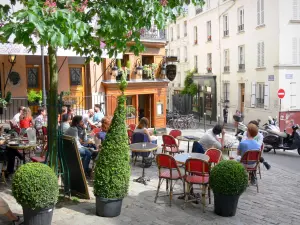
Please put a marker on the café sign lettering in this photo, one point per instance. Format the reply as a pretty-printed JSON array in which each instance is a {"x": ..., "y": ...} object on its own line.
[{"x": 171, "y": 72}]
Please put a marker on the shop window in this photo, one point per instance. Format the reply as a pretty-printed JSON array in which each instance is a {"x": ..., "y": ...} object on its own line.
[{"x": 160, "y": 109}]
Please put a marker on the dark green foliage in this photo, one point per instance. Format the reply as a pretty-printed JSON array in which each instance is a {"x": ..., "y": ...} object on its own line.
[
  {"x": 112, "y": 171},
  {"x": 8, "y": 96},
  {"x": 229, "y": 178},
  {"x": 190, "y": 88},
  {"x": 35, "y": 185}
]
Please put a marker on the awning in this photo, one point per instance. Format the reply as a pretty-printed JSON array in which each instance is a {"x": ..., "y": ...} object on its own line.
[{"x": 18, "y": 49}]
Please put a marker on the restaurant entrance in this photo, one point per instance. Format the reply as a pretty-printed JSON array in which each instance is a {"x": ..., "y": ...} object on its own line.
[{"x": 146, "y": 107}]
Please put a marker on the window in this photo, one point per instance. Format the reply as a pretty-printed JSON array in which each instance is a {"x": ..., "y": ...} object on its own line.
[
  {"x": 260, "y": 94},
  {"x": 226, "y": 25},
  {"x": 295, "y": 51},
  {"x": 171, "y": 34},
  {"x": 172, "y": 52},
  {"x": 196, "y": 63},
  {"x": 209, "y": 62},
  {"x": 226, "y": 60},
  {"x": 293, "y": 92},
  {"x": 208, "y": 101},
  {"x": 241, "y": 19},
  {"x": 178, "y": 31},
  {"x": 195, "y": 35},
  {"x": 185, "y": 28},
  {"x": 207, "y": 4},
  {"x": 185, "y": 53},
  {"x": 296, "y": 10},
  {"x": 226, "y": 91},
  {"x": 208, "y": 28},
  {"x": 260, "y": 12},
  {"x": 178, "y": 54},
  {"x": 33, "y": 77},
  {"x": 241, "y": 53},
  {"x": 75, "y": 76},
  {"x": 199, "y": 9},
  {"x": 260, "y": 54}
]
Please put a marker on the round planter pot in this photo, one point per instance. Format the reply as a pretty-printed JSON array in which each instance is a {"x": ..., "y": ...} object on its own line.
[
  {"x": 225, "y": 205},
  {"x": 106, "y": 207},
  {"x": 37, "y": 216}
]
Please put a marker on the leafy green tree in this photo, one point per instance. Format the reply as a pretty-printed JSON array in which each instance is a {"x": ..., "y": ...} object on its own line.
[
  {"x": 83, "y": 25},
  {"x": 190, "y": 88}
]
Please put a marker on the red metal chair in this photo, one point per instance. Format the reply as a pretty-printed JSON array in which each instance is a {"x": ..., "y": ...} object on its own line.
[
  {"x": 167, "y": 170},
  {"x": 197, "y": 172},
  {"x": 96, "y": 130},
  {"x": 130, "y": 134},
  {"x": 175, "y": 134},
  {"x": 132, "y": 127},
  {"x": 169, "y": 145},
  {"x": 261, "y": 150},
  {"x": 214, "y": 155},
  {"x": 42, "y": 157},
  {"x": 250, "y": 160}
]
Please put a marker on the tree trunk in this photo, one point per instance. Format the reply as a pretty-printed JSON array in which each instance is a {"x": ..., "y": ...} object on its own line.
[{"x": 53, "y": 110}]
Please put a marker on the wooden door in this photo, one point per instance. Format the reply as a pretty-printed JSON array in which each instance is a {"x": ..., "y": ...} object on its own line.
[
  {"x": 77, "y": 90},
  {"x": 242, "y": 97},
  {"x": 149, "y": 109}
]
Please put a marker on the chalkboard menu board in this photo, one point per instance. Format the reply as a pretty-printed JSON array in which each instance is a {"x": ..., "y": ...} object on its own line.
[
  {"x": 73, "y": 177},
  {"x": 171, "y": 72}
]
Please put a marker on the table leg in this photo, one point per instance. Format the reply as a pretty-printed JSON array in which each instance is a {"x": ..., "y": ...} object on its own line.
[
  {"x": 188, "y": 147},
  {"x": 142, "y": 179},
  {"x": 24, "y": 160}
]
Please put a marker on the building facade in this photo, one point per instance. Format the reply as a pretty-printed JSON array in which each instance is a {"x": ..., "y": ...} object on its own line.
[{"x": 252, "y": 48}]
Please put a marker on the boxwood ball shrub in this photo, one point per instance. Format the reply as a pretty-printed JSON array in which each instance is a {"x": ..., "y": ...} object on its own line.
[
  {"x": 35, "y": 186},
  {"x": 112, "y": 170},
  {"x": 228, "y": 178}
]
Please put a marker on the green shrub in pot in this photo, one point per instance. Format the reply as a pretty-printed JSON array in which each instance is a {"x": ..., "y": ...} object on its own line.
[
  {"x": 35, "y": 187},
  {"x": 112, "y": 170},
  {"x": 228, "y": 180}
]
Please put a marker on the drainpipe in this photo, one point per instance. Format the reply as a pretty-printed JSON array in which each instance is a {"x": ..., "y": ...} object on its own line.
[
  {"x": 220, "y": 53},
  {"x": 43, "y": 76}
]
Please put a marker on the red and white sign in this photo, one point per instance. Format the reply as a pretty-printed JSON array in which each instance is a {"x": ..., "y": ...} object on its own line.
[{"x": 281, "y": 93}]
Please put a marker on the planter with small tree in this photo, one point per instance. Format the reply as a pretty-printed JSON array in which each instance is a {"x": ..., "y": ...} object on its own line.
[
  {"x": 112, "y": 170},
  {"x": 35, "y": 188},
  {"x": 228, "y": 180},
  {"x": 34, "y": 97}
]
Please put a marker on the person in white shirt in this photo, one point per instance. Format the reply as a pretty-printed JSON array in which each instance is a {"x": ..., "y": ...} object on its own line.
[
  {"x": 16, "y": 118},
  {"x": 88, "y": 118}
]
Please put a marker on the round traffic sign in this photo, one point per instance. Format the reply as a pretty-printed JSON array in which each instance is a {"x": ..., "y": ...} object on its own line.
[{"x": 281, "y": 93}]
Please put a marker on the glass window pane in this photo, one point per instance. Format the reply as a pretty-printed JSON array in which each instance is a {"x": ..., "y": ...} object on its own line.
[
  {"x": 75, "y": 76},
  {"x": 32, "y": 77}
]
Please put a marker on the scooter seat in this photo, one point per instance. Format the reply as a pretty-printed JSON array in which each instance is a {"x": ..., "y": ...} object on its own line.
[{"x": 280, "y": 134}]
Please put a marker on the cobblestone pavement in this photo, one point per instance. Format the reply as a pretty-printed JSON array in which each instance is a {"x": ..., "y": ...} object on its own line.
[{"x": 278, "y": 202}]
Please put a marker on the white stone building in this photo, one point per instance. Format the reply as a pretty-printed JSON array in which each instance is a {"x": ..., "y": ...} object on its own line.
[{"x": 252, "y": 47}]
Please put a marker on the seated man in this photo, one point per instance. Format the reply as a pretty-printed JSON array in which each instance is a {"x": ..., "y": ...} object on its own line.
[
  {"x": 210, "y": 138},
  {"x": 65, "y": 122},
  {"x": 249, "y": 144},
  {"x": 88, "y": 118},
  {"x": 16, "y": 119},
  {"x": 259, "y": 138}
]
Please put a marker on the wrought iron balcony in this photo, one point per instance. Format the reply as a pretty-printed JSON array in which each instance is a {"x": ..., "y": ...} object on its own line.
[
  {"x": 226, "y": 68},
  {"x": 153, "y": 34},
  {"x": 241, "y": 27},
  {"x": 241, "y": 66}
]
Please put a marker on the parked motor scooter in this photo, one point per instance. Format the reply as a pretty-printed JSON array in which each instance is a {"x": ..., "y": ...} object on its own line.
[{"x": 281, "y": 140}]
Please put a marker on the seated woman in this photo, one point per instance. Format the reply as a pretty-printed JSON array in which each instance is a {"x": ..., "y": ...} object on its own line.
[
  {"x": 105, "y": 124},
  {"x": 84, "y": 152},
  {"x": 143, "y": 128},
  {"x": 26, "y": 119}
]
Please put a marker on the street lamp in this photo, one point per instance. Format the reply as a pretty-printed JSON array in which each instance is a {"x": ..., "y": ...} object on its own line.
[
  {"x": 138, "y": 67},
  {"x": 12, "y": 59},
  {"x": 163, "y": 67}
]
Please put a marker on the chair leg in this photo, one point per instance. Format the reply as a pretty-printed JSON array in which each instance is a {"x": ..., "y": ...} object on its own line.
[
  {"x": 259, "y": 171},
  {"x": 135, "y": 160},
  {"x": 158, "y": 187},
  {"x": 203, "y": 196},
  {"x": 186, "y": 194},
  {"x": 171, "y": 192},
  {"x": 167, "y": 185}
]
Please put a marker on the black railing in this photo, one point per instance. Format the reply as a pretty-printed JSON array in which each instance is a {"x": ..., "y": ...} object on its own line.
[
  {"x": 241, "y": 27},
  {"x": 154, "y": 34},
  {"x": 226, "y": 68},
  {"x": 241, "y": 66}
]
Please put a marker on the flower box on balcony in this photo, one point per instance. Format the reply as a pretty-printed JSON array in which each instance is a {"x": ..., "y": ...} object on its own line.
[
  {"x": 209, "y": 38},
  {"x": 195, "y": 42},
  {"x": 209, "y": 70}
]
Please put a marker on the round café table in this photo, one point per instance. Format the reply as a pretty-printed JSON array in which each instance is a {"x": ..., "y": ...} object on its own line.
[
  {"x": 23, "y": 147},
  {"x": 188, "y": 139},
  {"x": 143, "y": 147},
  {"x": 181, "y": 158}
]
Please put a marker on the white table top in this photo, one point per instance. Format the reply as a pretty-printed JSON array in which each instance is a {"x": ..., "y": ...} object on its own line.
[{"x": 181, "y": 158}]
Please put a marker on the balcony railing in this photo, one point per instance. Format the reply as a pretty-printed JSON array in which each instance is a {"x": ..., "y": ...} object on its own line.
[
  {"x": 226, "y": 68},
  {"x": 241, "y": 27},
  {"x": 154, "y": 34},
  {"x": 241, "y": 66},
  {"x": 199, "y": 10}
]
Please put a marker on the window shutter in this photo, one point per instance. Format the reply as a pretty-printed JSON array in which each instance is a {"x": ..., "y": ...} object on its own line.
[
  {"x": 258, "y": 55},
  {"x": 267, "y": 96},
  {"x": 258, "y": 12},
  {"x": 296, "y": 11},
  {"x": 293, "y": 95},
  {"x": 299, "y": 51},
  {"x": 262, "y": 49},
  {"x": 262, "y": 12},
  {"x": 253, "y": 94},
  {"x": 295, "y": 50}
]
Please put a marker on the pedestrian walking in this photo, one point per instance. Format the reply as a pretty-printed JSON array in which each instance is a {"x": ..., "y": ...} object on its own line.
[{"x": 225, "y": 114}]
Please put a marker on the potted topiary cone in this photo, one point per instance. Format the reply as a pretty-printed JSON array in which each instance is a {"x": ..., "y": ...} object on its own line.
[
  {"x": 228, "y": 180},
  {"x": 35, "y": 188},
  {"x": 112, "y": 170}
]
